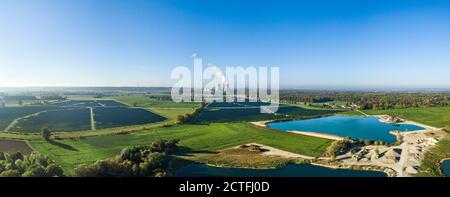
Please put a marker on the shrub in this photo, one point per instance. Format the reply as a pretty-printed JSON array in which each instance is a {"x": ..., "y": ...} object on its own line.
[
  {"x": 33, "y": 165},
  {"x": 254, "y": 148},
  {"x": 181, "y": 119},
  {"x": 147, "y": 160},
  {"x": 54, "y": 170},
  {"x": 338, "y": 147},
  {"x": 10, "y": 173},
  {"x": 46, "y": 133},
  {"x": 447, "y": 128},
  {"x": 164, "y": 146},
  {"x": 154, "y": 162},
  {"x": 37, "y": 171}
]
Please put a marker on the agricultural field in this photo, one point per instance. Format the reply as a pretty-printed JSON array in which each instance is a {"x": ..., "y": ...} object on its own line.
[
  {"x": 75, "y": 115},
  {"x": 108, "y": 117},
  {"x": 166, "y": 108},
  {"x": 76, "y": 119},
  {"x": 197, "y": 138},
  {"x": 236, "y": 104},
  {"x": 13, "y": 146},
  {"x": 9, "y": 114},
  {"x": 230, "y": 112},
  {"x": 88, "y": 103},
  {"x": 434, "y": 116},
  {"x": 142, "y": 100},
  {"x": 335, "y": 103},
  {"x": 17, "y": 101}
]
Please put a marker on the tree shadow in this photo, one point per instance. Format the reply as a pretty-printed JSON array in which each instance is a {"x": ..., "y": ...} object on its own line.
[
  {"x": 62, "y": 145},
  {"x": 185, "y": 151}
]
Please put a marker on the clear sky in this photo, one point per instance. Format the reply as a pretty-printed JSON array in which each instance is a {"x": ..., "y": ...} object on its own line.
[{"x": 315, "y": 43}]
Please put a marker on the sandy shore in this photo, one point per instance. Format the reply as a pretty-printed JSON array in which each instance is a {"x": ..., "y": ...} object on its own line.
[
  {"x": 427, "y": 127},
  {"x": 271, "y": 151},
  {"x": 261, "y": 123},
  {"x": 402, "y": 160},
  {"x": 313, "y": 134},
  {"x": 321, "y": 161},
  {"x": 316, "y": 134}
]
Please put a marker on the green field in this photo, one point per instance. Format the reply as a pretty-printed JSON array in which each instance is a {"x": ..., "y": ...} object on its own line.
[
  {"x": 145, "y": 101},
  {"x": 168, "y": 109},
  {"x": 72, "y": 152},
  {"x": 88, "y": 103},
  {"x": 430, "y": 165},
  {"x": 336, "y": 103},
  {"x": 434, "y": 116}
]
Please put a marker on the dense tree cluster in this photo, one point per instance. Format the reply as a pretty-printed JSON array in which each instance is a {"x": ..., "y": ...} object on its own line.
[
  {"x": 136, "y": 161},
  {"x": 370, "y": 100},
  {"x": 338, "y": 147},
  {"x": 46, "y": 133},
  {"x": 53, "y": 97},
  {"x": 162, "y": 97},
  {"x": 33, "y": 165}
]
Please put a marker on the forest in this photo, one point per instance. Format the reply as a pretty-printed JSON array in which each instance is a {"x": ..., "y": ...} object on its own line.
[{"x": 368, "y": 100}]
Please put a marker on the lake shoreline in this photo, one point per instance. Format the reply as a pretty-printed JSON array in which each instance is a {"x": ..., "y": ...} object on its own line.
[
  {"x": 317, "y": 134},
  {"x": 412, "y": 144},
  {"x": 339, "y": 127},
  {"x": 441, "y": 163},
  {"x": 304, "y": 160}
]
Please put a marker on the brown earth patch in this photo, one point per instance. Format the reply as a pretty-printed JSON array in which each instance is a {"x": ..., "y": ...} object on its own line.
[{"x": 12, "y": 146}]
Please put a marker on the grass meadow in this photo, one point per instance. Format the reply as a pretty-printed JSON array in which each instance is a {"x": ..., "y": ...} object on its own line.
[
  {"x": 73, "y": 152},
  {"x": 430, "y": 165},
  {"x": 434, "y": 116}
]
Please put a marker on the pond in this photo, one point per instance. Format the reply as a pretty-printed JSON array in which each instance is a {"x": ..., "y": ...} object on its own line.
[
  {"x": 445, "y": 167},
  {"x": 294, "y": 170},
  {"x": 369, "y": 128}
]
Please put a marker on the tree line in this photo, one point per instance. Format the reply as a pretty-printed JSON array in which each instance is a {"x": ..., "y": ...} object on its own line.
[
  {"x": 189, "y": 118},
  {"x": 33, "y": 165},
  {"x": 369, "y": 100},
  {"x": 154, "y": 159},
  {"x": 150, "y": 160}
]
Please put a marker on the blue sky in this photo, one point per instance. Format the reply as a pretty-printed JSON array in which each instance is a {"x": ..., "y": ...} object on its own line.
[{"x": 315, "y": 43}]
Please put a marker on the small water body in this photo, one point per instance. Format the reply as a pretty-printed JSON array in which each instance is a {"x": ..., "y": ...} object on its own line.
[
  {"x": 445, "y": 167},
  {"x": 369, "y": 128},
  {"x": 294, "y": 170}
]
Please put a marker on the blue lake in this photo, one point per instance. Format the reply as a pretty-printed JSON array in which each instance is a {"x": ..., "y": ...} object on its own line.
[
  {"x": 445, "y": 167},
  {"x": 294, "y": 170},
  {"x": 347, "y": 126}
]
